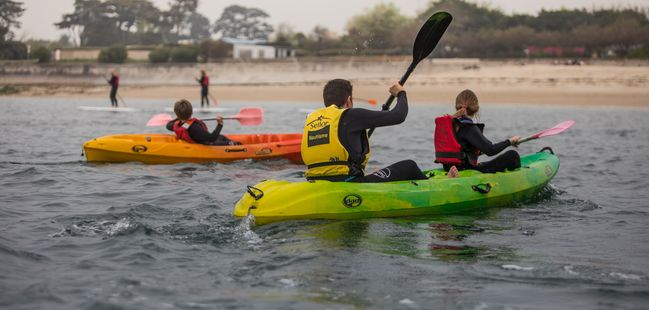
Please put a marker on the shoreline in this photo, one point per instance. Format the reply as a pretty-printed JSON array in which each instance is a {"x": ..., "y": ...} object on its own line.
[
  {"x": 493, "y": 82},
  {"x": 417, "y": 94}
]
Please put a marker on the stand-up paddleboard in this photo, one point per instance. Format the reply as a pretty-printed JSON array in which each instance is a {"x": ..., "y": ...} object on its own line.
[
  {"x": 204, "y": 110},
  {"x": 108, "y": 109}
]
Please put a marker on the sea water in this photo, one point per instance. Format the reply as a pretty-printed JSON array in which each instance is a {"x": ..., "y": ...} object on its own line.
[{"x": 78, "y": 235}]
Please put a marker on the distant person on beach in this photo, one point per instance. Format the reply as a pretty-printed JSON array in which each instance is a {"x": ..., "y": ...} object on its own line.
[
  {"x": 194, "y": 130},
  {"x": 459, "y": 140},
  {"x": 335, "y": 145},
  {"x": 204, "y": 81},
  {"x": 114, "y": 84}
]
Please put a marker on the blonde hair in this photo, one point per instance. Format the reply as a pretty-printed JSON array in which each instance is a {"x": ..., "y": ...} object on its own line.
[
  {"x": 183, "y": 109},
  {"x": 467, "y": 99}
]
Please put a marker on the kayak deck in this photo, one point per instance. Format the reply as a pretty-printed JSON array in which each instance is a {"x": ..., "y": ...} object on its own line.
[
  {"x": 283, "y": 200},
  {"x": 167, "y": 149}
]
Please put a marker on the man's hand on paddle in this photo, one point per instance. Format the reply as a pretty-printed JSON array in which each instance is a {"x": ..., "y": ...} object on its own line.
[
  {"x": 396, "y": 88},
  {"x": 219, "y": 119}
]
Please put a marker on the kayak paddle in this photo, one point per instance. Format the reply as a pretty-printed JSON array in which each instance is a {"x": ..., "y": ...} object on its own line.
[
  {"x": 425, "y": 43},
  {"x": 246, "y": 117},
  {"x": 369, "y": 101},
  {"x": 559, "y": 128}
]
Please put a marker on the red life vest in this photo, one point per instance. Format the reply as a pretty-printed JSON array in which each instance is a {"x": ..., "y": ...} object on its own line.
[
  {"x": 448, "y": 150},
  {"x": 181, "y": 129},
  {"x": 205, "y": 81}
]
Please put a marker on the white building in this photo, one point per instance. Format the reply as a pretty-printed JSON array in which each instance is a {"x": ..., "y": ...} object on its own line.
[{"x": 257, "y": 49}]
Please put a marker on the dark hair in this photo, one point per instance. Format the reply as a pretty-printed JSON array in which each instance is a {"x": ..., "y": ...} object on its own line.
[
  {"x": 336, "y": 92},
  {"x": 183, "y": 109}
]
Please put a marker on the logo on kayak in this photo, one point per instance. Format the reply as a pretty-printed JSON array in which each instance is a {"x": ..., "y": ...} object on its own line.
[
  {"x": 264, "y": 151},
  {"x": 548, "y": 171},
  {"x": 352, "y": 201},
  {"x": 139, "y": 148}
]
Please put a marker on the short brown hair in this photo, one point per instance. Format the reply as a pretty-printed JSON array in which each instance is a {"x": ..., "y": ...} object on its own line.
[
  {"x": 336, "y": 92},
  {"x": 183, "y": 109},
  {"x": 468, "y": 99}
]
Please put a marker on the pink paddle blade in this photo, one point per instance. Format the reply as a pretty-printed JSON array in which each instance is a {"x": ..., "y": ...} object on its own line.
[
  {"x": 159, "y": 120},
  {"x": 554, "y": 130},
  {"x": 559, "y": 128},
  {"x": 249, "y": 116}
]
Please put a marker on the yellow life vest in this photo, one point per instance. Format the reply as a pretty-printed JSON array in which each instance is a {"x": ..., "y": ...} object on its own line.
[{"x": 322, "y": 152}]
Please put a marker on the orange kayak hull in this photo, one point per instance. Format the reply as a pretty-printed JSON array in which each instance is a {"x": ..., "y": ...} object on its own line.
[{"x": 167, "y": 149}]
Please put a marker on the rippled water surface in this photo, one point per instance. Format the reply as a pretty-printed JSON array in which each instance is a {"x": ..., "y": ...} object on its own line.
[{"x": 133, "y": 236}]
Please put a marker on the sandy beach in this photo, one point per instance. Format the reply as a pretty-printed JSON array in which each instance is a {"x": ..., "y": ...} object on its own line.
[{"x": 596, "y": 84}]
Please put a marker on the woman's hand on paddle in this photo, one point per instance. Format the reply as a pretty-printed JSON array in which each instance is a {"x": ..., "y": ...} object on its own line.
[
  {"x": 514, "y": 141},
  {"x": 396, "y": 88},
  {"x": 219, "y": 119}
]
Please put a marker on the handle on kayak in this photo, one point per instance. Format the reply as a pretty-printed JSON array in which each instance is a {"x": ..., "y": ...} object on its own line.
[
  {"x": 255, "y": 192},
  {"x": 484, "y": 188},
  {"x": 235, "y": 150}
]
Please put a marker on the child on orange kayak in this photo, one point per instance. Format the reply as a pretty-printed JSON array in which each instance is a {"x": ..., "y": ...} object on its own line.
[
  {"x": 459, "y": 140},
  {"x": 194, "y": 130}
]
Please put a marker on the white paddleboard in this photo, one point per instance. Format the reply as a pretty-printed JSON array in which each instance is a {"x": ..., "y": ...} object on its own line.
[
  {"x": 204, "y": 110},
  {"x": 108, "y": 109}
]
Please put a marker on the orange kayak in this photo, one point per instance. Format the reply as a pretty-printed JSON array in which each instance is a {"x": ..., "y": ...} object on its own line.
[{"x": 167, "y": 149}]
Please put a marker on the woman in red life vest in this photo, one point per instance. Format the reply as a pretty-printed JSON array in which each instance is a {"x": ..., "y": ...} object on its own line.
[
  {"x": 194, "y": 130},
  {"x": 459, "y": 140}
]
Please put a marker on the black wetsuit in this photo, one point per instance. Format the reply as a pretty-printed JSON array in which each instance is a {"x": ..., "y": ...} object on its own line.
[
  {"x": 201, "y": 136},
  {"x": 471, "y": 138},
  {"x": 354, "y": 123},
  {"x": 114, "y": 84},
  {"x": 204, "y": 90}
]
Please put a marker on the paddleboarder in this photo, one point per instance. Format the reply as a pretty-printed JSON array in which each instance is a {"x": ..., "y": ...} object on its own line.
[
  {"x": 114, "y": 84},
  {"x": 459, "y": 140},
  {"x": 204, "y": 81},
  {"x": 194, "y": 130},
  {"x": 335, "y": 145}
]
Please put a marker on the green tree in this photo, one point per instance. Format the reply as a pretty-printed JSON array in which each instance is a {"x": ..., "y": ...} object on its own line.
[
  {"x": 211, "y": 50},
  {"x": 243, "y": 23},
  {"x": 113, "y": 54},
  {"x": 199, "y": 27},
  {"x": 42, "y": 53},
  {"x": 374, "y": 30},
  {"x": 179, "y": 14},
  {"x": 10, "y": 11}
]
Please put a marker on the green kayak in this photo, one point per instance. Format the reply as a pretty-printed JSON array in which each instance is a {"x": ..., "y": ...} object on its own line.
[{"x": 273, "y": 200}]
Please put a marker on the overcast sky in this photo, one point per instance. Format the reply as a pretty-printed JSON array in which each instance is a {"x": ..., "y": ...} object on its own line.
[{"x": 40, "y": 15}]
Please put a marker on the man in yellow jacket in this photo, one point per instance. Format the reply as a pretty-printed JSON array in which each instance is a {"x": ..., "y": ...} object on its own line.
[{"x": 335, "y": 145}]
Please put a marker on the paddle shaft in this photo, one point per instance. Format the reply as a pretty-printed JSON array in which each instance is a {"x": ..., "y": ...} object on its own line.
[{"x": 425, "y": 42}]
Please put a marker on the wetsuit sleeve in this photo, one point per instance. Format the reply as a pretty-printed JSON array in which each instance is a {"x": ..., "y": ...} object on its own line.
[
  {"x": 479, "y": 141},
  {"x": 112, "y": 81},
  {"x": 360, "y": 119},
  {"x": 170, "y": 124},
  {"x": 201, "y": 136}
]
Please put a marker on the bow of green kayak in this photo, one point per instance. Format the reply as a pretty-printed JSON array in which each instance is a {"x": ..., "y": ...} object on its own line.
[{"x": 273, "y": 200}]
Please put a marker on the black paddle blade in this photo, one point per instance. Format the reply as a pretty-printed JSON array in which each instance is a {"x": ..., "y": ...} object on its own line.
[{"x": 429, "y": 35}]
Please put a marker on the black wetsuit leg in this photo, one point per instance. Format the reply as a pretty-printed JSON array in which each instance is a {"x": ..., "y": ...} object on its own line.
[
  {"x": 509, "y": 160},
  {"x": 113, "y": 97},
  {"x": 204, "y": 99},
  {"x": 399, "y": 171}
]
